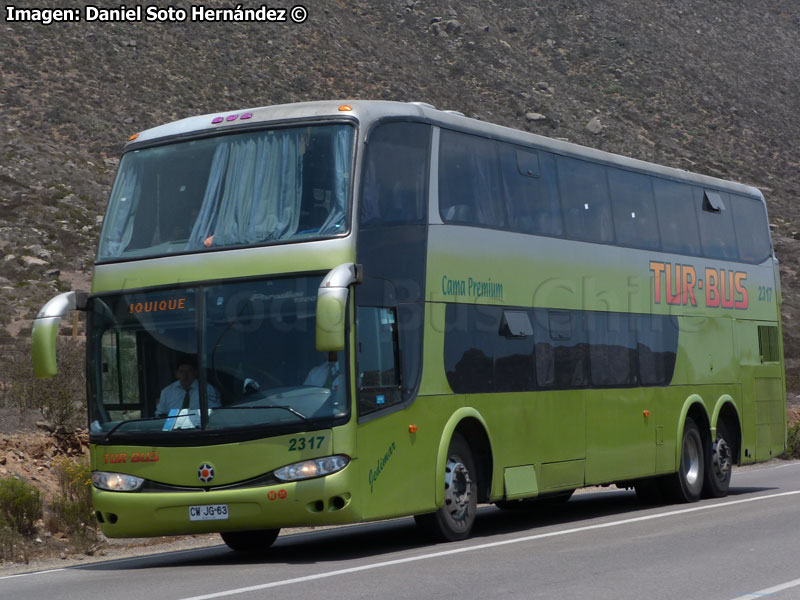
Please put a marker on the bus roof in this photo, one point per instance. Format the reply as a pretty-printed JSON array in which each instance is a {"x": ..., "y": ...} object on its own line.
[{"x": 368, "y": 111}]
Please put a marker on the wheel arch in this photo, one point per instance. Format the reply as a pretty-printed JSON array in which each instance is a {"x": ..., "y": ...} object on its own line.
[{"x": 471, "y": 425}]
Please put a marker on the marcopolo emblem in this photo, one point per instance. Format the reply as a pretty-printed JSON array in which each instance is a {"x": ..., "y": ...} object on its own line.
[{"x": 205, "y": 473}]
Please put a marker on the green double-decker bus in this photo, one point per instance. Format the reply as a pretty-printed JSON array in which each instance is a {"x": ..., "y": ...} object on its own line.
[{"x": 325, "y": 313}]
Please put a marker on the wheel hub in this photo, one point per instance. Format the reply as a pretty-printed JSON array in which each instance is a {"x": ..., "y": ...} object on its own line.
[
  {"x": 721, "y": 458},
  {"x": 457, "y": 489}
]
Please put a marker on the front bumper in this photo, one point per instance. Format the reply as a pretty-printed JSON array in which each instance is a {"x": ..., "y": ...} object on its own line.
[{"x": 323, "y": 501}]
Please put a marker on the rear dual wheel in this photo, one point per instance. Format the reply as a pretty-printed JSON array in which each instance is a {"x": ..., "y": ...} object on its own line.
[
  {"x": 705, "y": 469},
  {"x": 719, "y": 464},
  {"x": 687, "y": 484}
]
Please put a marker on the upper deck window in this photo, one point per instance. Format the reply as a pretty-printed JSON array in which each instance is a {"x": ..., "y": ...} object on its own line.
[
  {"x": 752, "y": 229},
  {"x": 677, "y": 221},
  {"x": 716, "y": 224},
  {"x": 470, "y": 187},
  {"x": 227, "y": 191},
  {"x": 395, "y": 190},
  {"x": 584, "y": 200},
  {"x": 634, "y": 209}
]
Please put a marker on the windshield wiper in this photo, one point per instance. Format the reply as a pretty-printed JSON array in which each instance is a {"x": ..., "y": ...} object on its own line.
[
  {"x": 121, "y": 423},
  {"x": 279, "y": 406}
]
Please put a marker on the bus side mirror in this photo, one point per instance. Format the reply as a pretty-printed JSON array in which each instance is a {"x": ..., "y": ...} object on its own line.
[
  {"x": 332, "y": 306},
  {"x": 45, "y": 331}
]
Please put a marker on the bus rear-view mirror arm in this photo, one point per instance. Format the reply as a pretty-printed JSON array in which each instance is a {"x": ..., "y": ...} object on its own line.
[
  {"x": 45, "y": 331},
  {"x": 332, "y": 306}
]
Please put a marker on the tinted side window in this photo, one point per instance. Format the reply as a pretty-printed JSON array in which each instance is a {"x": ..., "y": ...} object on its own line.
[
  {"x": 634, "y": 209},
  {"x": 513, "y": 353},
  {"x": 584, "y": 200},
  {"x": 568, "y": 344},
  {"x": 677, "y": 222},
  {"x": 470, "y": 337},
  {"x": 716, "y": 226},
  {"x": 656, "y": 344},
  {"x": 378, "y": 367},
  {"x": 396, "y": 175},
  {"x": 531, "y": 191},
  {"x": 752, "y": 229},
  {"x": 470, "y": 188},
  {"x": 544, "y": 355},
  {"x": 612, "y": 349},
  {"x": 492, "y": 349}
]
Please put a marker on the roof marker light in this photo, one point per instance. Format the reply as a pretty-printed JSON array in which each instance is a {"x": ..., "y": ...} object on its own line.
[
  {"x": 246, "y": 116},
  {"x": 345, "y": 107},
  {"x": 231, "y": 117},
  {"x": 133, "y": 137},
  {"x": 217, "y": 120}
]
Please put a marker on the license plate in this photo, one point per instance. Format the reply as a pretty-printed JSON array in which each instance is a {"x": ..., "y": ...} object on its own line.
[{"x": 208, "y": 512}]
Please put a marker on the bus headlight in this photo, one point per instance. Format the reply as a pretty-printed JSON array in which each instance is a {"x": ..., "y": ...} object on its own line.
[
  {"x": 116, "y": 482},
  {"x": 316, "y": 467}
]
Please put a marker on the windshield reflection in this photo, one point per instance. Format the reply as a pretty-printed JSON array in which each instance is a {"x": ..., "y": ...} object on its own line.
[{"x": 254, "y": 363}]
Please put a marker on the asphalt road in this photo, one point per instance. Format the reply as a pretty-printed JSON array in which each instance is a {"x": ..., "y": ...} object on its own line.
[{"x": 599, "y": 545}]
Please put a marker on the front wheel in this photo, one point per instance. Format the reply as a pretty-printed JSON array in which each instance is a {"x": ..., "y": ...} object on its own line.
[
  {"x": 687, "y": 484},
  {"x": 454, "y": 520},
  {"x": 250, "y": 542},
  {"x": 719, "y": 464}
]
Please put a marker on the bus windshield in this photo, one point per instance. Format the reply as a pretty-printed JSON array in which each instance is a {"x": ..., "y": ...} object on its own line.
[
  {"x": 236, "y": 190},
  {"x": 217, "y": 358}
]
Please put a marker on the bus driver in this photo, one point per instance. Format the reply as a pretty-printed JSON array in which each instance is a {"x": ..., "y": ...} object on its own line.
[{"x": 184, "y": 393}]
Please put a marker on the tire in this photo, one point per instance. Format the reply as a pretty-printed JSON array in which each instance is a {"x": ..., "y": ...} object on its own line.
[
  {"x": 687, "y": 484},
  {"x": 454, "y": 520},
  {"x": 250, "y": 542},
  {"x": 719, "y": 464}
]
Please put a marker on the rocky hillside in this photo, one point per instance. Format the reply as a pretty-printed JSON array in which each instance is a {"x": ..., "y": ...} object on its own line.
[{"x": 708, "y": 86}]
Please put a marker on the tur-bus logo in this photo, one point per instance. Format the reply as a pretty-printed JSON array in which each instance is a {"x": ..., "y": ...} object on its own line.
[{"x": 681, "y": 285}]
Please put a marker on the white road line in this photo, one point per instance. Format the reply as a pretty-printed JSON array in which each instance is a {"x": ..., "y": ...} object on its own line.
[
  {"x": 756, "y": 469},
  {"x": 769, "y": 591},
  {"x": 528, "y": 538},
  {"x": 31, "y": 573}
]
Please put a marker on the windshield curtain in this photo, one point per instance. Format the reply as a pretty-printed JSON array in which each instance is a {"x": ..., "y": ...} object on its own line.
[
  {"x": 221, "y": 358},
  {"x": 230, "y": 191}
]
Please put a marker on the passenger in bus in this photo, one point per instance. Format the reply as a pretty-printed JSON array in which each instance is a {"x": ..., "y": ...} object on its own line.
[
  {"x": 184, "y": 392},
  {"x": 328, "y": 375}
]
